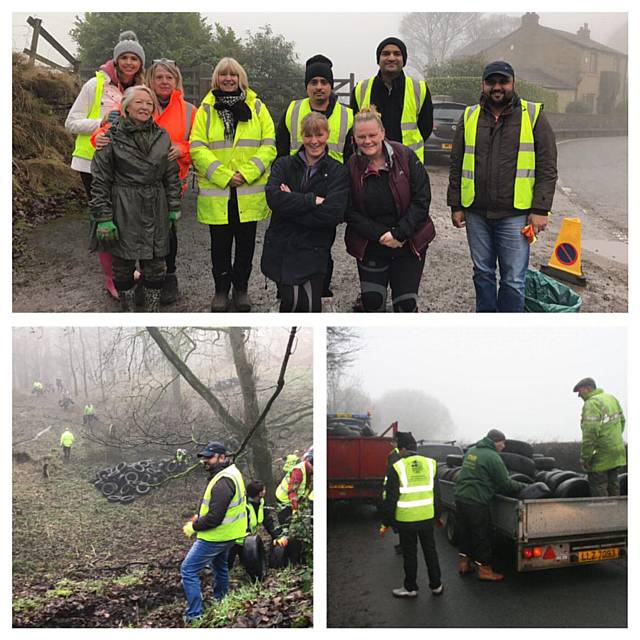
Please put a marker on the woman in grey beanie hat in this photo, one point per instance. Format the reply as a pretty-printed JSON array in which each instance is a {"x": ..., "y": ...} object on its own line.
[{"x": 128, "y": 43}]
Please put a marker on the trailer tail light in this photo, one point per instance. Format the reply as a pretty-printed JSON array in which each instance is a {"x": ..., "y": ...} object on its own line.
[
  {"x": 537, "y": 552},
  {"x": 549, "y": 554},
  {"x": 527, "y": 553}
]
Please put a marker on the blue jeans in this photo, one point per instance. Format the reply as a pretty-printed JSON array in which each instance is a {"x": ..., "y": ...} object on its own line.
[
  {"x": 502, "y": 241},
  {"x": 200, "y": 555}
]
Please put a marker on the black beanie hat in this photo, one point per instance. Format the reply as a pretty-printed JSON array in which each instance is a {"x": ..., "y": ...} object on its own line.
[
  {"x": 406, "y": 440},
  {"x": 318, "y": 65},
  {"x": 401, "y": 45}
]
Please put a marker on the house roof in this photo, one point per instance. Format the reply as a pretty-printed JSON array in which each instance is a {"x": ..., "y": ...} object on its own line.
[
  {"x": 542, "y": 79},
  {"x": 476, "y": 47},
  {"x": 587, "y": 43}
]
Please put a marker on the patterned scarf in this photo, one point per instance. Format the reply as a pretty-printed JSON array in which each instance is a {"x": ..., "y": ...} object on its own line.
[{"x": 231, "y": 108}]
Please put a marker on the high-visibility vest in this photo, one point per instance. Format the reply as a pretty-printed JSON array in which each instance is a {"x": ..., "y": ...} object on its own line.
[
  {"x": 254, "y": 519},
  {"x": 89, "y": 410},
  {"x": 417, "y": 475},
  {"x": 66, "y": 439},
  {"x": 216, "y": 160},
  {"x": 84, "y": 148},
  {"x": 340, "y": 123},
  {"x": 525, "y": 177},
  {"x": 282, "y": 492},
  {"x": 415, "y": 93},
  {"x": 234, "y": 523},
  {"x": 290, "y": 461}
]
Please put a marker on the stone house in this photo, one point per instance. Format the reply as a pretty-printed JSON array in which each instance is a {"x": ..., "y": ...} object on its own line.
[{"x": 576, "y": 67}]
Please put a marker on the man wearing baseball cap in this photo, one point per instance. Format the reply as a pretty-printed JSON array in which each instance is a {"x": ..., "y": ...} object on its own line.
[
  {"x": 483, "y": 474},
  {"x": 221, "y": 521},
  {"x": 403, "y": 102},
  {"x": 603, "y": 451},
  {"x": 502, "y": 179}
]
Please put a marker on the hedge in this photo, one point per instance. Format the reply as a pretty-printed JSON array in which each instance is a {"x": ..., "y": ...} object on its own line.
[{"x": 467, "y": 91}]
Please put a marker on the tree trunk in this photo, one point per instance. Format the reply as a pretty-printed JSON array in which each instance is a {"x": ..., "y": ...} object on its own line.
[
  {"x": 71, "y": 365},
  {"x": 84, "y": 364}
]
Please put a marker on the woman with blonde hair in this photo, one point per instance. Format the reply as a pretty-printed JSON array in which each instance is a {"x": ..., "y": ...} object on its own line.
[
  {"x": 99, "y": 96},
  {"x": 308, "y": 194},
  {"x": 135, "y": 197},
  {"x": 388, "y": 223},
  {"x": 232, "y": 148}
]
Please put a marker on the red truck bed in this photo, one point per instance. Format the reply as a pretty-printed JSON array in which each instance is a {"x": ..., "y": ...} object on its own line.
[{"x": 356, "y": 467}]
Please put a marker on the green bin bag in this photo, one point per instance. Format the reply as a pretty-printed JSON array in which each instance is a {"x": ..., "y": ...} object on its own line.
[{"x": 543, "y": 294}]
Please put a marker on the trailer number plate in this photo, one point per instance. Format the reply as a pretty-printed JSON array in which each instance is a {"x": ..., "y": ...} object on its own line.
[{"x": 598, "y": 554}]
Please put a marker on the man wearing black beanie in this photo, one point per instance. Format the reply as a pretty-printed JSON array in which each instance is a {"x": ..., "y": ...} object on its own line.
[
  {"x": 318, "y": 80},
  {"x": 404, "y": 103}
]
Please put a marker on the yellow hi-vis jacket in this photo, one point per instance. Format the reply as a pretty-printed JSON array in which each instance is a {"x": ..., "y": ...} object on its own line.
[
  {"x": 415, "y": 93},
  {"x": 216, "y": 160},
  {"x": 83, "y": 147},
  {"x": 66, "y": 439},
  {"x": 234, "y": 523},
  {"x": 340, "y": 123},
  {"x": 417, "y": 476},
  {"x": 282, "y": 492},
  {"x": 525, "y": 177}
]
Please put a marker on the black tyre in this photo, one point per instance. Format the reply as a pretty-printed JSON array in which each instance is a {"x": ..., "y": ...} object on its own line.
[
  {"x": 127, "y": 499},
  {"x": 573, "y": 488},
  {"x": 447, "y": 474},
  {"x": 278, "y": 557},
  {"x": 128, "y": 490},
  {"x": 441, "y": 467},
  {"x": 131, "y": 476},
  {"x": 555, "y": 479},
  {"x": 622, "y": 479},
  {"x": 450, "y": 528},
  {"x": 142, "y": 488},
  {"x": 104, "y": 474},
  {"x": 455, "y": 473},
  {"x": 145, "y": 477},
  {"x": 454, "y": 460},
  {"x": 171, "y": 466},
  {"x": 537, "y": 455},
  {"x": 120, "y": 466},
  {"x": 253, "y": 557},
  {"x": 545, "y": 463},
  {"x": 520, "y": 477},
  {"x": 535, "y": 491},
  {"x": 113, "y": 498},
  {"x": 518, "y": 447},
  {"x": 138, "y": 466},
  {"x": 109, "y": 488},
  {"x": 519, "y": 463}
]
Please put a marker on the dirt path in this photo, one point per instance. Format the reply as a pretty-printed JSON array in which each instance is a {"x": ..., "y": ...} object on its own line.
[{"x": 57, "y": 274}]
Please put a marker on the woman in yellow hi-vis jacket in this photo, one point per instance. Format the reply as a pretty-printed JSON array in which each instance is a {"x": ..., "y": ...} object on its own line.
[{"x": 232, "y": 147}]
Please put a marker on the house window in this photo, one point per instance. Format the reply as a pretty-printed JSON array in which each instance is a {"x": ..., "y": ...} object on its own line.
[{"x": 593, "y": 62}]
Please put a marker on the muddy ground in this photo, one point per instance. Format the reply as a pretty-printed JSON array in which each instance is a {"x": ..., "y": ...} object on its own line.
[
  {"x": 79, "y": 561},
  {"x": 56, "y": 273}
]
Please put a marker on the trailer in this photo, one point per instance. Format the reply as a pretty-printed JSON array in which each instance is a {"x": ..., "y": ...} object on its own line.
[{"x": 554, "y": 532}]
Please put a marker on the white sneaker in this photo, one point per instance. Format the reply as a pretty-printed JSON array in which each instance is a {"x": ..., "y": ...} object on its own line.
[
  {"x": 438, "y": 590},
  {"x": 403, "y": 593}
]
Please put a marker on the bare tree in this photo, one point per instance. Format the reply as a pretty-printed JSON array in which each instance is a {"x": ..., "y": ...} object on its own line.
[{"x": 342, "y": 346}]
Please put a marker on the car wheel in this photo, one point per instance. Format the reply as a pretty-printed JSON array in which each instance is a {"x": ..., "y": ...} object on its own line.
[
  {"x": 450, "y": 529},
  {"x": 622, "y": 479}
]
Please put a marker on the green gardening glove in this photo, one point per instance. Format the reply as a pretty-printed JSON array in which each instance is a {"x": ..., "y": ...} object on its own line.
[
  {"x": 106, "y": 232},
  {"x": 174, "y": 215}
]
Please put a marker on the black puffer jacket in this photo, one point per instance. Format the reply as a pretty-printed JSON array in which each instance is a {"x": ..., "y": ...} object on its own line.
[
  {"x": 136, "y": 190},
  {"x": 496, "y": 155},
  {"x": 300, "y": 234}
]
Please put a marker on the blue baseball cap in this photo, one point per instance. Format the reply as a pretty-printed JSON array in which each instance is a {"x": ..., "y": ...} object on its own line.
[
  {"x": 498, "y": 67},
  {"x": 211, "y": 449}
]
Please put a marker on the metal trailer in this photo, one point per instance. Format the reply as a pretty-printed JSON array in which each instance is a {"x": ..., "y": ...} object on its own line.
[{"x": 554, "y": 532}]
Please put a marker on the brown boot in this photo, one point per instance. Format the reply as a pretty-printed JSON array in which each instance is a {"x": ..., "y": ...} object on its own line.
[
  {"x": 464, "y": 566},
  {"x": 485, "y": 572}
]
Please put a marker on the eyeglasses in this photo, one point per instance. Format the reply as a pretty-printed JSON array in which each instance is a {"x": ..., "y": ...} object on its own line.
[
  {"x": 491, "y": 81},
  {"x": 164, "y": 61}
]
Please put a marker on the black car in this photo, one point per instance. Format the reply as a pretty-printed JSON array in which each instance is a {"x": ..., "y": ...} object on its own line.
[{"x": 446, "y": 116}]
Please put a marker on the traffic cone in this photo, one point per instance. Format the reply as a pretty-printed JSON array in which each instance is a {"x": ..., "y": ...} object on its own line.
[{"x": 566, "y": 260}]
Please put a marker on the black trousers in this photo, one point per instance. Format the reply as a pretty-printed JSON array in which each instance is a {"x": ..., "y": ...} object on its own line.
[
  {"x": 225, "y": 270},
  {"x": 604, "y": 483},
  {"x": 473, "y": 523},
  {"x": 67, "y": 453},
  {"x": 306, "y": 297},
  {"x": 400, "y": 269},
  {"x": 409, "y": 542},
  {"x": 152, "y": 273}
]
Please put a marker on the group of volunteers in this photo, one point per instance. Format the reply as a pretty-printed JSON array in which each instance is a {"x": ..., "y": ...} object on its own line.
[
  {"x": 411, "y": 503},
  {"x": 324, "y": 164},
  {"x": 229, "y": 512}
]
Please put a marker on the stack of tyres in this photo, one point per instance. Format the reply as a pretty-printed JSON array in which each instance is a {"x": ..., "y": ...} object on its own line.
[{"x": 124, "y": 482}]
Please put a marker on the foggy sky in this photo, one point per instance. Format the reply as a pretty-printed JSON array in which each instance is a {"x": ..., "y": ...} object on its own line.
[
  {"x": 519, "y": 380},
  {"x": 349, "y": 39}
]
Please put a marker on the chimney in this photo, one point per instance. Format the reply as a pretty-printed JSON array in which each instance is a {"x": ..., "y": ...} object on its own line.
[
  {"x": 583, "y": 32},
  {"x": 530, "y": 19}
]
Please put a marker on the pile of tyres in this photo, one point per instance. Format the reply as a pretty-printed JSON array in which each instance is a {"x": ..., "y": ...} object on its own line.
[
  {"x": 126, "y": 481},
  {"x": 537, "y": 471}
]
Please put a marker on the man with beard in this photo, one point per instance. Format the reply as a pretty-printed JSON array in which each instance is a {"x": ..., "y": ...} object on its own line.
[
  {"x": 222, "y": 519},
  {"x": 502, "y": 179}
]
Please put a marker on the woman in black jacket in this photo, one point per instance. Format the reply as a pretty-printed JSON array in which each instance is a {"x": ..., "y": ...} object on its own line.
[{"x": 307, "y": 193}]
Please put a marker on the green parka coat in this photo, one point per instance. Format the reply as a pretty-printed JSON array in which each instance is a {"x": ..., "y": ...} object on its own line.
[
  {"x": 483, "y": 474},
  {"x": 136, "y": 190},
  {"x": 602, "y": 426}
]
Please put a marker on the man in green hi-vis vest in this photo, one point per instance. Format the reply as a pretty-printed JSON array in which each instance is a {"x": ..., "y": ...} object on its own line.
[
  {"x": 222, "y": 519},
  {"x": 411, "y": 505},
  {"x": 502, "y": 179}
]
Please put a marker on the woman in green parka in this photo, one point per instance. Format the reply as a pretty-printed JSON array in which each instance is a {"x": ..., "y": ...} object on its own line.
[{"x": 135, "y": 197}]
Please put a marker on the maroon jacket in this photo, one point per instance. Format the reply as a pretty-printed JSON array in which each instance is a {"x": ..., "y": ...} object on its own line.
[{"x": 411, "y": 192}]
